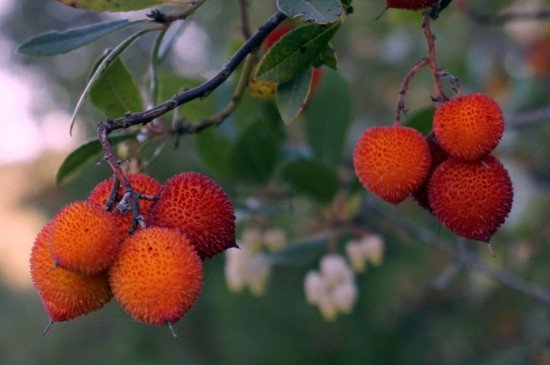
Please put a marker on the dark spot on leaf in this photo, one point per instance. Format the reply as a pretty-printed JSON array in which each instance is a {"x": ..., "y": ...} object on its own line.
[{"x": 303, "y": 49}]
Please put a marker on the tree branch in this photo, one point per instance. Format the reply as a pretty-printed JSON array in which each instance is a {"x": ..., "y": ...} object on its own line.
[
  {"x": 202, "y": 90},
  {"x": 218, "y": 118},
  {"x": 529, "y": 119},
  {"x": 461, "y": 257}
]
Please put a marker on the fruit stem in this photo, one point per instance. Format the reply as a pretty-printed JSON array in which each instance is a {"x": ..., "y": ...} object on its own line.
[
  {"x": 405, "y": 87},
  {"x": 48, "y": 327},
  {"x": 453, "y": 80},
  {"x": 430, "y": 39},
  {"x": 130, "y": 199},
  {"x": 171, "y": 328}
]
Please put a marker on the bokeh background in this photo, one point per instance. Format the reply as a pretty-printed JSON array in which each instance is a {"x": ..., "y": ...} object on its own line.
[{"x": 399, "y": 316}]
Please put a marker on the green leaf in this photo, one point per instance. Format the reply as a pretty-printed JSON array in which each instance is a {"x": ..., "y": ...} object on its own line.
[
  {"x": 328, "y": 118},
  {"x": 292, "y": 95},
  {"x": 294, "y": 52},
  {"x": 76, "y": 159},
  {"x": 422, "y": 120},
  {"x": 317, "y": 11},
  {"x": 103, "y": 66},
  {"x": 112, "y": 5},
  {"x": 115, "y": 92},
  {"x": 311, "y": 179},
  {"x": 298, "y": 253},
  {"x": 326, "y": 57},
  {"x": 54, "y": 43},
  {"x": 254, "y": 154}
]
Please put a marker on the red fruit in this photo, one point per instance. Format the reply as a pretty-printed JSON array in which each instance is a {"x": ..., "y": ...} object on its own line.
[
  {"x": 141, "y": 183},
  {"x": 275, "y": 35},
  {"x": 158, "y": 276},
  {"x": 84, "y": 238},
  {"x": 200, "y": 209},
  {"x": 469, "y": 127},
  {"x": 438, "y": 156},
  {"x": 316, "y": 78},
  {"x": 471, "y": 198},
  {"x": 65, "y": 294},
  {"x": 409, "y": 4},
  {"x": 392, "y": 162}
]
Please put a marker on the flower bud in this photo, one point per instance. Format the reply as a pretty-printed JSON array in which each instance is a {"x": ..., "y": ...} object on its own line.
[
  {"x": 356, "y": 255},
  {"x": 314, "y": 287},
  {"x": 344, "y": 297},
  {"x": 258, "y": 273},
  {"x": 274, "y": 239},
  {"x": 373, "y": 246},
  {"x": 252, "y": 238},
  {"x": 335, "y": 270}
]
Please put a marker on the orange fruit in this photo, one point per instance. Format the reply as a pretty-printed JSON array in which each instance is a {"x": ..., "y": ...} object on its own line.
[
  {"x": 65, "y": 294},
  {"x": 469, "y": 127},
  {"x": 391, "y": 162},
  {"x": 84, "y": 238},
  {"x": 157, "y": 277},
  {"x": 471, "y": 198},
  {"x": 141, "y": 183},
  {"x": 200, "y": 209},
  {"x": 438, "y": 156}
]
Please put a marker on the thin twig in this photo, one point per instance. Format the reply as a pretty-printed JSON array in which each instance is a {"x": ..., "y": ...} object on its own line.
[
  {"x": 405, "y": 87},
  {"x": 501, "y": 19},
  {"x": 130, "y": 199},
  {"x": 162, "y": 18},
  {"x": 430, "y": 39},
  {"x": 453, "y": 80},
  {"x": 217, "y": 119},
  {"x": 245, "y": 23},
  {"x": 204, "y": 89},
  {"x": 463, "y": 258},
  {"x": 529, "y": 119}
]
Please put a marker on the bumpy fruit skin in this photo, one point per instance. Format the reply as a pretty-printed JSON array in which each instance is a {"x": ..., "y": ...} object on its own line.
[
  {"x": 409, "y": 4},
  {"x": 84, "y": 238},
  {"x": 391, "y": 162},
  {"x": 471, "y": 198},
  {"x": 65, "y": 294},
  {"x": 141, "y": 183},
  {"x": 438, "y": 156},
  {"x": 200, "y": 209},
  {"x": 469, "y": 127},
  {"x": 157, "y": 277}
]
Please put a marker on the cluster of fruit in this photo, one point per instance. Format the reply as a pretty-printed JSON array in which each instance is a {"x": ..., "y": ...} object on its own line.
[
  {"x": 451, "y": 173},
  {"x": 85, "y": 255}
]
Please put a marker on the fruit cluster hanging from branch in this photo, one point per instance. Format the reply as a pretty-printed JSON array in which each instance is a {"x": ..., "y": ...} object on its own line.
[{"x": 144, "y": 243}]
